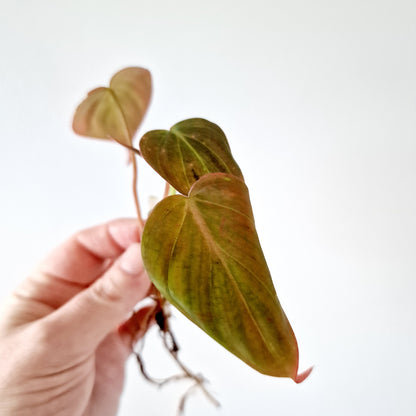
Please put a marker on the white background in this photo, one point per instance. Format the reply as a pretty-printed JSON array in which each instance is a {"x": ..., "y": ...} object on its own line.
[{"x": 318, "y": 100}]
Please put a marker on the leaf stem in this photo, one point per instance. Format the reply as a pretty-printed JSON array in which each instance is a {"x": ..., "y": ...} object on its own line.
[
  {"x": 133, "y": 153},
  {"x": 131, "y": 148},
  {"x": 135, "y": 193},
  {"x": 167, "y": 189}
]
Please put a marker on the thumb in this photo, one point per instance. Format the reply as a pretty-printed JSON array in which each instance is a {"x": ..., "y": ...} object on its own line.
[{"x": 86, "y": 319}]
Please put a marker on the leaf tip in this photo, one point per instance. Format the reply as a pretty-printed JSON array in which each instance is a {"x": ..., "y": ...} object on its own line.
[{"x": 302, "y": 376}]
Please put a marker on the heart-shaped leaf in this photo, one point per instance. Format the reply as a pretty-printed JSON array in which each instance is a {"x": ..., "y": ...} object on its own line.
[
  {"x": 203, "y": 254},
  {"x": 117, "y": 111},
  {"x": 190, "y": 150}
]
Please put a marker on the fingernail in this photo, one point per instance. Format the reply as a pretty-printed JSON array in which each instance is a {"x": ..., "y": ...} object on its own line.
[{"x": 131, "y": 260}]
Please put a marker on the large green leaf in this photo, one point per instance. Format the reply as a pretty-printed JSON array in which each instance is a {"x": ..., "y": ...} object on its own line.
[
  {"x": 203, "y": 254},
  {"x": 190, "y": 150},
  {"x": 117, "y": 111}
]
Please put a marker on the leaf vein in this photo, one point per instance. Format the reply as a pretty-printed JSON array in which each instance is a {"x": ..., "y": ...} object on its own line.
[
  {"x": 173, "y": 249},
  {"x": 249, "y": 271},
  {"x": 123, "y": 117},
  {"x": 201, "y": 224},
  {"x": 183, "y": 165},
  {"x": 204, "y": 201},
  {"x": 183, "y": 139}
]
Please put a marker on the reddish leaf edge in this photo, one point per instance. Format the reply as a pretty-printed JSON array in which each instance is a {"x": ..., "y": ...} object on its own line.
[{"x": 302, "y": 376}]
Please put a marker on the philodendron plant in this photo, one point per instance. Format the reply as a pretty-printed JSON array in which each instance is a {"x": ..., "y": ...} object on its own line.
[{"x": 199, "y": 244}]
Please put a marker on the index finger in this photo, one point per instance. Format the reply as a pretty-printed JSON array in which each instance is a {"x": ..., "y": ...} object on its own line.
[
  {"x": 81, "y": 258},
  {"x": 78, "y": 262}
]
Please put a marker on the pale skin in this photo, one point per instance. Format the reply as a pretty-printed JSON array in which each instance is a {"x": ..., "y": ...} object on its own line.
[{"x": 65, "y": 332}]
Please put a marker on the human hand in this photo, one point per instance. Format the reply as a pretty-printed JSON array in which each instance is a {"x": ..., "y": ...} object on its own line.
[{"x": 63, "y": 344}]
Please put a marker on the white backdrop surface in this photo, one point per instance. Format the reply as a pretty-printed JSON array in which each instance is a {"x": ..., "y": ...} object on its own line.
[{"x": 318, "y": 101}]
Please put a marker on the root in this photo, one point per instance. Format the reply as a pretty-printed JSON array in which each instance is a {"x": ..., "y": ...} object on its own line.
[{"x": 161, "y": 316}]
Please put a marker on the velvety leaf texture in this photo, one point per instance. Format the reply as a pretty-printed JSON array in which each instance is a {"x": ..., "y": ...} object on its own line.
[
  {"x": 203, "y": 254},
  {"x": 117, "y": 111},
  {"x": 190, "y": 150}
]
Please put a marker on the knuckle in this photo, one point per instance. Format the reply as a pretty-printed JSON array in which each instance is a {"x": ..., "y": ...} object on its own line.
[
  {"x": 44, "y": 337},
  {"x": 45, "y": 332},
  {"x": 107, "y": 290}
]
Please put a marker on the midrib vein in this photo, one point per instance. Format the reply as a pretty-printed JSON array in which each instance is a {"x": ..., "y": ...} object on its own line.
[{"x": 201, "y": 224}]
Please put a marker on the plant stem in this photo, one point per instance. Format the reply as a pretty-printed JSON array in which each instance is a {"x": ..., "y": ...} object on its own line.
[
  {"x": 135, "y": 194},
  {"x": 167, "y": 189},
  {"x": 133, "y": 153}
]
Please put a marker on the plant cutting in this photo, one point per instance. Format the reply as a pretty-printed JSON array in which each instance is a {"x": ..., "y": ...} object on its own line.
[{"x": 200, "y": 247}]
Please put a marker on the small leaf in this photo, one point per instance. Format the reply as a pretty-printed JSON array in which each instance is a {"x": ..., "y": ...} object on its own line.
[
  {"x": 117, "y": 111},
  {"x": 190, "y": 150},
  {"x": 203, "y": 254}
]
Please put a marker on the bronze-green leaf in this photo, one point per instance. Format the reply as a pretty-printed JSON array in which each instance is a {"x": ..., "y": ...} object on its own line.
[
  {"x": 203, "y": 254},
  {"x": 190, "y": 150},
  {"x": 117, "y": 111}
]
